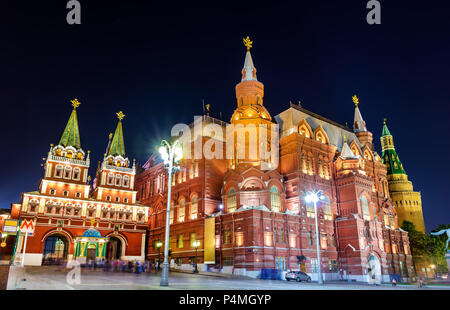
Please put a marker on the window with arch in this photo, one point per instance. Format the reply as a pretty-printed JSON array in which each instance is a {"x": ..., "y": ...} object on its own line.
[
  {"x": 118, "y": 180},
  {"x": 172, "y": 212},
  {"x": 126, "y": 181},
  {"x": 194, "y": 207},
  {"x": 365, "y": 208},
  {"x": 391, "y": 220},
  {"x": 321, "y": 138},
  {"x": 304, "y": 167},
  {"x": 110, "y": 178},
  {"x": 275, "y": 199},
  {"x": 304, "y": 131},
  {"x": 326, "y": 207},
  {"x": 181, "y": 210},
  {"x": 58, "y": 171},
  {"x": 76, "y": 173},
  {"x": 310, "y": 210},
  {"x": 67, "y": 172},
  {"x": 231, "y": 200}
]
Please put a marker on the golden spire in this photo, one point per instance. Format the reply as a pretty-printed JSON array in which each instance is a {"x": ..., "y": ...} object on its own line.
[
  {"x": 355, "y": 100},
  {"x": 207, "y": 108},
  {"x": 248, "y": 43},
  {"x": 75, "y": 103},
  {"x": 120, "y": 115}
]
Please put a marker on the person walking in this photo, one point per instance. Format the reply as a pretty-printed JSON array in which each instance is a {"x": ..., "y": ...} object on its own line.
[{"x": 394, "y": 282}]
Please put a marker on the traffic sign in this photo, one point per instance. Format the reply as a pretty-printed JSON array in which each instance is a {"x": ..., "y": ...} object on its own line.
[{"x": 27, "y": 227}]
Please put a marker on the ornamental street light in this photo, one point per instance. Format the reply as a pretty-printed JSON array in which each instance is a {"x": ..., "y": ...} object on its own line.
[
  {"x": 159, "y": 245},
  {"x": 171, "y": 155},
  {"x": 196, "y": 244},
  {"x": 314, "y": 197}
]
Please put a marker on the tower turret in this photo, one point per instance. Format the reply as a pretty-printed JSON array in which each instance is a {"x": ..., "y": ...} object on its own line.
[
  {"x": 359, "y": 127},
  {"x": 408, "y": 203}
]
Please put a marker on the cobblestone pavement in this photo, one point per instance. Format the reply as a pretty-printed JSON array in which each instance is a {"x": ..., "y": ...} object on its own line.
[{"x": 54, "y": 278}]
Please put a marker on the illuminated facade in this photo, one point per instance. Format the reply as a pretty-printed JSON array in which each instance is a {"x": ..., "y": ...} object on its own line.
[
  {"x": 74, "y": 221},
  {"x": 248, "y": 216}
]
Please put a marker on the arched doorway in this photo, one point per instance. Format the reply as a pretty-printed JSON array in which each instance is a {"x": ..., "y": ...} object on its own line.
[
  {"x": 91, "y": 252},
  {"x": 374, "y": 269},
  {"x": 114, "y": 248},
  {"x": 55, "y": 250}
]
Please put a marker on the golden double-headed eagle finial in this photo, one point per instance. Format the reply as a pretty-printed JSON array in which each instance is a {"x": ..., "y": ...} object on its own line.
[
  {"x": 248, "y": 43},
  {"x": 120, "y": 115},
  {"x": 355, "y": 100},
  {"x": 75, "y": 103},
  {"x": 384, "y": 121}
]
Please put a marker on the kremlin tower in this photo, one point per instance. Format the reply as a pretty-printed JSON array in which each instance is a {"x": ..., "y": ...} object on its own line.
[{"x": 408, "y": 203}]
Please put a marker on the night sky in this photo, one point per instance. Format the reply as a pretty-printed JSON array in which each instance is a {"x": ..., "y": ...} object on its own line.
[{"x": 156, "y": 62}]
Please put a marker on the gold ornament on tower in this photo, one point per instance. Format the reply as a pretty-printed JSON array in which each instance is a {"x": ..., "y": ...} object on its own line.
[
  {"x": 75, "y": 103},
  {"x": 248, "y": 43},
  {"x": 120, "y": 115},
  {"x": 355, "y": 100}
]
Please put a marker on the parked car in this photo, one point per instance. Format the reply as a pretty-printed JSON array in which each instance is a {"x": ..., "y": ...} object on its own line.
[{"x": 298, "y": 276}]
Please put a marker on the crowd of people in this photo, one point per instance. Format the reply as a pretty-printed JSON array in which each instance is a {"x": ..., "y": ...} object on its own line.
[{"x": 124, "y": 266}]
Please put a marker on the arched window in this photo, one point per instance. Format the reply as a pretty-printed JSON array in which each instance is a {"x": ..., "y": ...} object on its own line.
[
  {"x": 118, "y": 180},
  {"x": 58, "y": 171},
  {"x": 126, "y": 181},
  {"x": 304, "y": 167},
  {"x": 365, "y": 208},
  {"x": 326, "y": 207},
  {"x": 194, "y": 207},
  {"x": 391, "y": 220},
  {"x": 181, "y": 211},
  {"x": 172, "y": 212},
  {"x": 231, "y": 200},
  {"x": 275, "y": 199},
  {"x": 310, "y": 209},
  {"x": 110, "y": 178},
  {"x": 67, "y": 172},
  {"x": 76, "y": 173}
]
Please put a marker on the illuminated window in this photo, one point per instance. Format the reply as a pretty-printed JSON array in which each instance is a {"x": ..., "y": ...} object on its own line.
[
  {"x": 391, "y": 220},
  {"x": 292, "y": 241},
  {"x": 191, "y": 171},
  {"x": 125, "y": 200},
  {"x": 78, "y": 194},
  {"x": 110, "y": 178},
  {"x": 194, "y": 207},
  {"x": 126, "y": 181},
  {"x": 196, "y": 169},
  {"x": 275, "y": 199},
  {"x": 231, "y": 200},
  {"x": 66, "y": 193},
  {"x": 239, "y": 238},
  {"x": 323, "y": 241},
  {"x": 310, "y": 210},
  {"x": 172, "y": 211},
  {"x": 280, "y": 263},
  {"x": 181, "y": 211},
  {"x": 365, "y": 208},
  {"x": 268, "y": 238},
  {"x": 327, "y": 209},
  {"x": 180, "y": 241},
  {"x": 58, "y": 171},
  {"x": 217, "y": 241},
  {"x": 52, "y": 191},
  {"x": 117, "y": 199},
  {"x": 67, "y": 172},
  {"x": 76, "y": 173},
  {"x": 314, "y": 265},
  {"x": 192, "y": 239},
  {"x": 118, "y": 180}
]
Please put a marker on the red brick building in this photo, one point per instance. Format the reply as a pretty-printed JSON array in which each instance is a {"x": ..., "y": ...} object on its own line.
[
  {"x": 74, "y": 220},
  {"x": 249, "y": 216}
]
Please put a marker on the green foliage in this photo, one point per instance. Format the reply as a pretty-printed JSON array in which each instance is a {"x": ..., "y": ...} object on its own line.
[{"x": 436, "y": 246}]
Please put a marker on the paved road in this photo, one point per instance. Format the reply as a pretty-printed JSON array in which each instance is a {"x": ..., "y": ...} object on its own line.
[{"x": 51, "y": 278}]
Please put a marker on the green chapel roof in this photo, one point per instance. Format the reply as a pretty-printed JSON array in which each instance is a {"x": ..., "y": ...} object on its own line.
[
  {"x": 117, "y": 145},
  {"x": 71, "y": 134}
]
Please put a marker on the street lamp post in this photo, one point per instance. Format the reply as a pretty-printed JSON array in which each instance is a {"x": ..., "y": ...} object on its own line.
[
  {"x": 159, "y": 245},
  {"x": 314, "y": 197},
  {"x": 196, "y": 244},
  {"x": 171, "y": 154}
]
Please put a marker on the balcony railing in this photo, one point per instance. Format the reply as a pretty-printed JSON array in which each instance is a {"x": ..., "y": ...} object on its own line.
[{"x": 69, "y": 160}]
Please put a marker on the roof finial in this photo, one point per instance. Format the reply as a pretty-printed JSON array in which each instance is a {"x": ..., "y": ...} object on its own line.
[
  {"x": 384, "y": 121},
  {"x": 75, "y": 103},
  {"x": 345, "y": 139},
  {"x": 92, "y": 222},
  {"x": 120, "y": 115},
  {"x": 110, "y": 135},
  {"x": 355, "y": 100},
  {"x": 248, "y": 43}
]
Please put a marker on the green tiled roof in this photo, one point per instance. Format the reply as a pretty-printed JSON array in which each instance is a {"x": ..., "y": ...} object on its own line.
[
  {"x": 71, "y": 134},
  {"x": 117, "y": 145}
]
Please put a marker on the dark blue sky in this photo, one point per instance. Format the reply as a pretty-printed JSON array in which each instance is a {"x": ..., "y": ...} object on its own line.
[{"x": 156, "y": 62}]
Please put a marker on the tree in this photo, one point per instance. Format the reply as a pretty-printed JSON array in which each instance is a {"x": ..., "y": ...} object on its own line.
[
  {"x": 436, "y": 248},
  {"x": 418, "y": 243}
]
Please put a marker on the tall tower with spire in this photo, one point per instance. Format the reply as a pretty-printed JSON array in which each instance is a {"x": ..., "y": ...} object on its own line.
[
  {"x": 408, "y": 203},
  {"x": 250, "y": 111},
  {"x": 67, "y": 165},
  {"x": 359, "y": 127},
  {"x": 115, "y": 176}
]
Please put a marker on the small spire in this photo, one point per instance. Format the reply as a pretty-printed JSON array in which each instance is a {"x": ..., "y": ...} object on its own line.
[
  {"x": 249, "y": 70},
  {"x": 358, "y": 123},
  {"x": 117, "y": 146},
  {"x": 71, "y": 134},
  {"x": 385, "y": 131}
]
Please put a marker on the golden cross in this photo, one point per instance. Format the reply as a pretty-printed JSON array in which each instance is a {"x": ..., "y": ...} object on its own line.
[
  {"x": 120, "y": 115},
  {"x": 75, "y": 103},
  {"x": 355, "y": 100},
  {"x": 248, "y": 43}
]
